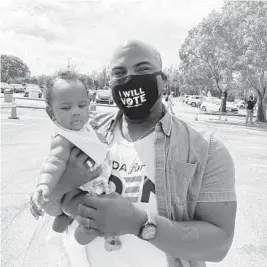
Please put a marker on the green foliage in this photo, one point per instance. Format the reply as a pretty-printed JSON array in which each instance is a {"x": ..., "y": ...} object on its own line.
[
  {"x": 13, "y": 68},
  {"x": 228, "y": 51}
]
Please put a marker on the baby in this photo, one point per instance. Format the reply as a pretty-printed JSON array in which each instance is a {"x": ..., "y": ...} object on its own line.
[{"x": 68, "y": 107}]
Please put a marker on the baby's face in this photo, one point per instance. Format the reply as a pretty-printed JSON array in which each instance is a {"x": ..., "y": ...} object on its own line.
[{"x": 70, "y": 104}]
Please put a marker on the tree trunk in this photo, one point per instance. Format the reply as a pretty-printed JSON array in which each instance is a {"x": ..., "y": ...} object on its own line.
[
  {"x": 261, "y": 114},
  {"x": 224, "y": 96}
]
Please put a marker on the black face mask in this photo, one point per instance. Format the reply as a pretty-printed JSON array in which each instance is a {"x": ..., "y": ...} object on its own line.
[{"x": 135, "y": 95}]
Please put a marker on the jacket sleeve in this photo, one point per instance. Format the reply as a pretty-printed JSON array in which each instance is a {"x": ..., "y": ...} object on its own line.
[{"x": 218, "y": 183}]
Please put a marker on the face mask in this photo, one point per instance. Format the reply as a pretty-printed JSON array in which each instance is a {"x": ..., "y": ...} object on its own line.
[{"x": 135, "y": 95}]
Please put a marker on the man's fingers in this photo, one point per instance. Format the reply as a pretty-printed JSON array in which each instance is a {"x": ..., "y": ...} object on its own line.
[
  {"x": 86, "y": 212},
  {"x": 91, "y": 175},
  {"x": 94, "y": 201},
  {"x": 87, "y": 223},
  {"x": 93, "y": 232},
  {"x": 82, "y": 158},
  {"x": 74, "y": 153}
]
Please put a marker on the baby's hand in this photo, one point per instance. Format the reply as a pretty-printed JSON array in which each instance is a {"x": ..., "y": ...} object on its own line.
[{"x": 38, "y": 199}]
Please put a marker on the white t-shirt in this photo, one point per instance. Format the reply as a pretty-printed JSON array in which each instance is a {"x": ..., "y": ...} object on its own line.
[{"x": 133, "y": 173}]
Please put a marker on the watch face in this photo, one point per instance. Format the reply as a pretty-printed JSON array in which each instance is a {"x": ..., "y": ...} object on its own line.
[{"x": 149, "y": 231}]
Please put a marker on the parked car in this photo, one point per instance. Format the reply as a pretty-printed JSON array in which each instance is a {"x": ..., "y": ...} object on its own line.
[
  {"x": 195, "y": 100},
  {"x": 91, "y": 94},
  {"x": 33, "y": 89},
  {"x": 184, "y": 98},
  {"x": 231, "y": 107},
  {"x": 5, "y": 86},
  {"x": 211, "y": 104},
  {"x": 104, "y": 96},
  {"x": 214, "y": 104},
  {"x": 239, "y": 103},
  {"x": 18, "y": 88}
]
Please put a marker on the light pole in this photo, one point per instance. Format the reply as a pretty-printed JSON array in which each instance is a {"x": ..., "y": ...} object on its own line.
[{"x": 68, "y": 66}]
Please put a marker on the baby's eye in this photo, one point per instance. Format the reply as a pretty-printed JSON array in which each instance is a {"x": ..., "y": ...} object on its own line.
[
  {"x": 83, "y": 106},
  {"x": 65, "y": 108}
]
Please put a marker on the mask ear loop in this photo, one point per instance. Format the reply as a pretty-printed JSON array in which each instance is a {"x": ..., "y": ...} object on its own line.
[{"x": 164, "y": 77}]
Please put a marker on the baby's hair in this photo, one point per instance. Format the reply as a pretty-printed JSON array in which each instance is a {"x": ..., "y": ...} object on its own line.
[{"x": 65, "y": 75}]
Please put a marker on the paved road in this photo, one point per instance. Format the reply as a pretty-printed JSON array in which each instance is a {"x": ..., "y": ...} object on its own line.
[{"x": 25, "y": 143}]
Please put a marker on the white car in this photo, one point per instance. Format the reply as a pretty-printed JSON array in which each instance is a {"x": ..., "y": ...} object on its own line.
[
  {"x": 104, "y": 96},
  {"x": 18, "y": 88},
  {"x": 195, "y": 100},
  {"x": 239, "y": 103},
  {"x": 211, "y": 104},
  {"x": 33, "y": 91},
  {"x": 214, "y": 104},
  {"x": 5, "y": 86}
]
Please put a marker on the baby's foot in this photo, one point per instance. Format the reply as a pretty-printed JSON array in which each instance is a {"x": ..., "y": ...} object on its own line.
[
  {"x": 82, "y": 236},
  {"x": 61, "y": 223}
]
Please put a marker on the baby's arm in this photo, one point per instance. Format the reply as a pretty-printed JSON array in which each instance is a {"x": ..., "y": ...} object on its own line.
[
  {"x": 56, "y": 162},
  {"x": 52, "y": 170}
]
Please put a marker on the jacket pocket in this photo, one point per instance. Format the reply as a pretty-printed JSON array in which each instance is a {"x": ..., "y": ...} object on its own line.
[{"x": 180, "y": 174}]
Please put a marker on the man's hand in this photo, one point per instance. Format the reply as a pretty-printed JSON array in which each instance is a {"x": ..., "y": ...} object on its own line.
[{"x": 111, "y": 215}]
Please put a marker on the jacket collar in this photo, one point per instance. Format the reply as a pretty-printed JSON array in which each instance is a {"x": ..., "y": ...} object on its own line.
[{"x": 165, "y": 124}]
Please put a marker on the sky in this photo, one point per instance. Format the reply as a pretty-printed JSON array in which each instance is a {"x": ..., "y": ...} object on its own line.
[{"x": 44, "y": 33}]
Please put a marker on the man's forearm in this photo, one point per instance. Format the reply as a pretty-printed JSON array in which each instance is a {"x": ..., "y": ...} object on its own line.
[{"x": 191, "y": 240}]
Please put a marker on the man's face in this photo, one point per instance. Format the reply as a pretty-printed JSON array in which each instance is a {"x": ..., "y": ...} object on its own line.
[{"x": 135, "y": 60}]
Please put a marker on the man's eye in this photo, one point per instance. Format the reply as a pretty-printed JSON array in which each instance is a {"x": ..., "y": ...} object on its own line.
[
  {"x": 118, "y": 72},
  {"x": 65, "y": 108},
  {"x": 143, "y": 68}
]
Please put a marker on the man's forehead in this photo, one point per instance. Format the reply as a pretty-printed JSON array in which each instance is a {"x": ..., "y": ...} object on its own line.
[{"x": 131, "y": 54}]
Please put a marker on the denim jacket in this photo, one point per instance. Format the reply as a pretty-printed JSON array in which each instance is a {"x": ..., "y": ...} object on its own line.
[{"x": 190, "y": 167}]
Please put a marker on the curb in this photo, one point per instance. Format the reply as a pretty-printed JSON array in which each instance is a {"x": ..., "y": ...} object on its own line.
[{"x": 223, "y": 114}]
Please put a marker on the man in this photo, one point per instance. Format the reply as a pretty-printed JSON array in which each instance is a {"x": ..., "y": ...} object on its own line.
[
  {"x": 170, "y": 103},
  {"x": 175, "y": 201},
  {"x": 250, "y": 109}
]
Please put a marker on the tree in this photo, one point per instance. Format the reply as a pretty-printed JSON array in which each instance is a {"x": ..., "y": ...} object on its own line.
[
  {"x": 13, "y": 67},
  {"x": 206, "y": 57},
  {"x": 229, "y": 43},
  {"x": 249, "y": 34},
  {"x": 173, "y": 79}
]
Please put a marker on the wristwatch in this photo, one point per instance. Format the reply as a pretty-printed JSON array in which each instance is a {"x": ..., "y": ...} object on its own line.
[{"x": 149, "y": 229}]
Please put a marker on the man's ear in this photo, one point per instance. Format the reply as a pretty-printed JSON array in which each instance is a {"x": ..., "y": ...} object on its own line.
[
  {"x": 50, "y": 113},
  {"x": 164, "y": 77}
]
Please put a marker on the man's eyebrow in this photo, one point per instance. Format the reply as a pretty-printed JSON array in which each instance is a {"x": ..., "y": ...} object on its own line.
[{"x": 142, "y": 63}]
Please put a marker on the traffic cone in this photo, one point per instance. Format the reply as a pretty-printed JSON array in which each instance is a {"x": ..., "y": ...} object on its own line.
[{"x": 14, "y": 112}]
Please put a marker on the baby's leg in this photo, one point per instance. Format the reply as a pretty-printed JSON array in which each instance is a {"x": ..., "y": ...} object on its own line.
[
  {"x": 53, "y": 206},
  {"x": 61, "y": 223},
  {"x": 82, "y": 236}
]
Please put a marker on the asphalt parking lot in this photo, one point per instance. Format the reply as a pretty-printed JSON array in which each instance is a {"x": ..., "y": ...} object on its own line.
[{"x": 25, "y": 143}]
